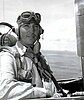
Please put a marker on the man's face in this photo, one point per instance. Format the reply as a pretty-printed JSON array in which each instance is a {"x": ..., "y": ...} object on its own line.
[{"x": 29, "y": 34}]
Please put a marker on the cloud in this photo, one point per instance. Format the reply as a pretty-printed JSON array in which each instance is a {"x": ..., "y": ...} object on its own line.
[{"x": 60, "y": 35}]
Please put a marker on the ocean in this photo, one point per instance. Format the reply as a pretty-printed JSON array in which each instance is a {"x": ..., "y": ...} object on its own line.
[{"x": 64, "y": 64}]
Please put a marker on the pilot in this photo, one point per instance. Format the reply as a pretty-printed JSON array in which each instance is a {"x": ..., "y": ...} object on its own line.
[{"x": 19, "y": 76}]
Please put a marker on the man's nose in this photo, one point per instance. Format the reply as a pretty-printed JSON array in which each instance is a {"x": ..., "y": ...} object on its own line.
[{"x": 32, "y": 28}]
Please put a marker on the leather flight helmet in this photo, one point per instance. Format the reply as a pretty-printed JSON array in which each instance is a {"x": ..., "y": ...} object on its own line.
[{"x": 27, "y": 18}]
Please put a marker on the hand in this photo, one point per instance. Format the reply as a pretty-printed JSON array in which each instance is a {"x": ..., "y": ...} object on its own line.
[{"x": 57, "y": 95}]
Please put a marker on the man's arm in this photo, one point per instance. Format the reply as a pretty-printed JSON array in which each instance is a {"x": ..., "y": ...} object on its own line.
[{"x": 11, "y": 88}]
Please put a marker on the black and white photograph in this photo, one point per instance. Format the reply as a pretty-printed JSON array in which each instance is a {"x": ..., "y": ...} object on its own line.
[{"x": 42, "y": 49}]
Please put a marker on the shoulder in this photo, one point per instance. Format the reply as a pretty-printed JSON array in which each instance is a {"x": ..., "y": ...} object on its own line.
[
  {"x": 7, "y": 54},
  {"x": 6, "y": 57}
]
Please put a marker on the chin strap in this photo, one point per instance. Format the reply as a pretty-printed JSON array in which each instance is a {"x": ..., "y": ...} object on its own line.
[
  {"x": 37, "y": 47},
  {"x": 46, "y": 68}
]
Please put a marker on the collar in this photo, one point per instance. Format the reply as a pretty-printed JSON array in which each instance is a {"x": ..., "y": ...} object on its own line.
[{"x": 21, "y": 49}]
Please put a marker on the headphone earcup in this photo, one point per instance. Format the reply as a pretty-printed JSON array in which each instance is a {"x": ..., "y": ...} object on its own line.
[
  {"x": 7, "y": 40},
  {"x": 11, "y": 40}
]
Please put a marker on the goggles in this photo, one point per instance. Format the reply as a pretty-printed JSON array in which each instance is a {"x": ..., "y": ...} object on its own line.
[{"x": 27, "y": 17}]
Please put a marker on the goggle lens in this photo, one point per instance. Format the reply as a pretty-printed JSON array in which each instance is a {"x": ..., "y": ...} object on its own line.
[{"x": 28, "y": 16}]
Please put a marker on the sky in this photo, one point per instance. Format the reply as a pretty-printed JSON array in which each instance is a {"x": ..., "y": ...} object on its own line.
[{"x": 58, "y": 20}]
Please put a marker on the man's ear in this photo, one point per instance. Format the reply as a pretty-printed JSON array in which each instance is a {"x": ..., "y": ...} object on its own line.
[{"x": 41, "y": 30}]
